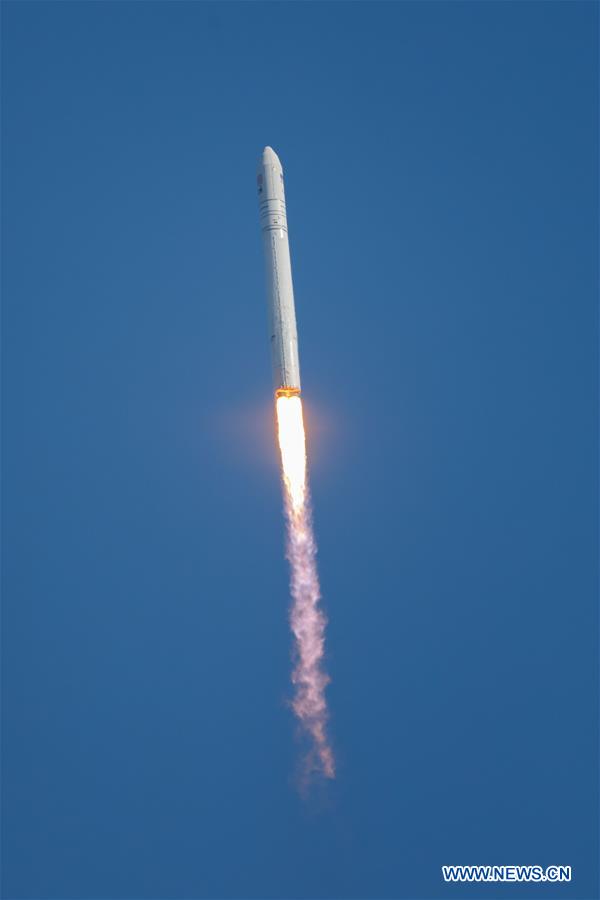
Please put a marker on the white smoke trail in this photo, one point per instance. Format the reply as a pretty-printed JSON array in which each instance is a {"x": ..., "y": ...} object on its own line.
[
  {"x": 308, "y": 625},
  {"x": 306, "y": 617}
]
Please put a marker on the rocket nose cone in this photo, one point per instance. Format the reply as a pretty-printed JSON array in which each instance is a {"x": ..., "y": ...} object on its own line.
[{"x": 269, "y": 157}]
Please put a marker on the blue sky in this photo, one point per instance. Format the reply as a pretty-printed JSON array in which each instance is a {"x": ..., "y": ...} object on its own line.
[{"x": 441, "y": 175}]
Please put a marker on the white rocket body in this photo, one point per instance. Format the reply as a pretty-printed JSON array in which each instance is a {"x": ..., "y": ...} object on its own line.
[{"x": 280, "y": 291}]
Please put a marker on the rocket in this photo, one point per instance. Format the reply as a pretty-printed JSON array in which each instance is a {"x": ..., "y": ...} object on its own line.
[{"x": 280, "y": 291}]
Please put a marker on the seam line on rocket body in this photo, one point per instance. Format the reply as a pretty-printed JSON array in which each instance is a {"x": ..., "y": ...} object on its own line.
[{"x": 281, "y": 342}]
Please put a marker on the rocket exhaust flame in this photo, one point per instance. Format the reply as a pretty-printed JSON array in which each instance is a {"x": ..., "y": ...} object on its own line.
[
  {"x": 306, "y": 617},
  {"x": 292, "y": 444}
]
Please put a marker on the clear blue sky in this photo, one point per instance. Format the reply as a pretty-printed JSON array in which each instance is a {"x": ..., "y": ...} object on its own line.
[{"x": 442, "y": 192}]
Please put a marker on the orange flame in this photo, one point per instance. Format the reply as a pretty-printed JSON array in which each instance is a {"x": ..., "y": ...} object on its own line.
[{"x": 292, "y": 444}]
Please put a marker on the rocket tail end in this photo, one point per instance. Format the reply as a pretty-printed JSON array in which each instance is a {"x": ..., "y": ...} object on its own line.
[{"x": 287, "y": 392}]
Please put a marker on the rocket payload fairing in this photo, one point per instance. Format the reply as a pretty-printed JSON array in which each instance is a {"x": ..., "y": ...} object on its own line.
[{"x": 280, "y": 292}]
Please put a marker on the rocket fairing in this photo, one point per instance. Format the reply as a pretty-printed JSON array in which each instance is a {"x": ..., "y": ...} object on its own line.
[{"x": 280, "y": 291}]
